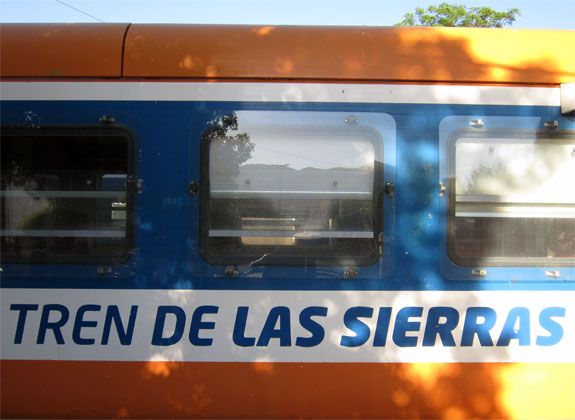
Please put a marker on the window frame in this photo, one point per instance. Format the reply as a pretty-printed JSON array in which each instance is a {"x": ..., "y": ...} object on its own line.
[
  {"x": 450, "y": 180},
  {"x": 83, "y": 131},
  {"x": 378, "y": 143}
]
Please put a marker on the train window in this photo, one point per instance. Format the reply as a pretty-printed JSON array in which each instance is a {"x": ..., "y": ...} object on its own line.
[
  {"x": 66, "y": 194},
  {"x": 512, "y": 200},
  {"x": 291, "y": 188}
]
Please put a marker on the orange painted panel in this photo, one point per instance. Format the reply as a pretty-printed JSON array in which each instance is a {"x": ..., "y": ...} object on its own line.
[
  {"x": 56, "y": 389},
  {"x": 61, "y": 50},
  {"x": 351, "y": 53}
]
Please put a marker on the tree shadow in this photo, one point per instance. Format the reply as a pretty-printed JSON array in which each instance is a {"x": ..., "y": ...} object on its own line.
[
  {"x": 432, "y": 55},
  {"x": 308, "y": 390}
]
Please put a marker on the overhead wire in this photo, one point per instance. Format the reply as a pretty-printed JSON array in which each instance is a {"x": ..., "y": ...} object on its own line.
[{"x": 80, "y": 11}]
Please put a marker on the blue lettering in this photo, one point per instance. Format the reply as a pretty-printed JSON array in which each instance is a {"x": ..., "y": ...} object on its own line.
[
  {"x": 382, "y": 327},
  {"x": 239, "y": 337},
  {"x": 277, "y": 314},
  {"x": 316, "y": 330},
  {"x": 522, "y": 333},
  {"x": 157, "y": 336},
  {"x": 473, "y": 327},
  {"x": 403, "y": 325},
  {"x": 124, "y": 335},
  {"x": 352, "y": 322},
  {"x": 198, "y": 324},
  {"x": 21, "y": 319},
  {"x": 46, "y": 324},
  {"x": 79, "y": 323},
  {"x": 554, "y": 328},
  {"x": 433, "y": 328}
]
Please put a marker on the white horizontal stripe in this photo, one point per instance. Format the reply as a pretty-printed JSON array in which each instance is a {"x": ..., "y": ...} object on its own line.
[
  {"x": 221, "y": 233},
  {"x": 280, "y": 92},
  {"x": 218, "y": 325},
  {"x": 527, "y": 215},
  {"x": 502, "y": 210},
  {"x": 61, "y": 233},
  {"x": 62, "y": 194},
  {"x": 535, "y": 199},
  {"x": 348, "y": 195}
]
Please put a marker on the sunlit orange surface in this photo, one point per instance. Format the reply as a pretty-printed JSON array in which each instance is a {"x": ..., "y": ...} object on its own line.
[{"x": 286, "y": 390}]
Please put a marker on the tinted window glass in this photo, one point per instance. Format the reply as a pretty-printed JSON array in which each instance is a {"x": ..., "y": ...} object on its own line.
[
  {"x": 65, "y": 195},
  {"x": 291, "y": 193},
  {"x": 512, "y": 197}
]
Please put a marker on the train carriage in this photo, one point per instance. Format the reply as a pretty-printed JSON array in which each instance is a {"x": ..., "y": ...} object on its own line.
[{"x": 276, "y": 222}]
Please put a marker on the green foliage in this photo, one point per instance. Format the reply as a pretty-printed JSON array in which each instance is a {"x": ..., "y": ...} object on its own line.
[
  {"x": 233, "y": 148},
  {"x": 455, "y": 15}
]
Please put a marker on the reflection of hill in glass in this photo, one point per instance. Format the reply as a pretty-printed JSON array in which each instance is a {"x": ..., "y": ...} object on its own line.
[
  {"x": 261, "y": 177},
  {"x": 228, "y": 148},
  {"x": 484, "y": 180},
  {"x": 528, "y": 169}
]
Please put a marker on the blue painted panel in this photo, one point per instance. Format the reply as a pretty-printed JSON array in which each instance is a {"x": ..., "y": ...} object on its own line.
[{"x": 166, "y": 255}]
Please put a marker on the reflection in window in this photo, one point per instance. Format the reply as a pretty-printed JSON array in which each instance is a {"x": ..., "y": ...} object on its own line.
[
  {"x": 282, "y": 192},
  {"x": 64, "y": 195},
  {"x": 513, "y": 197}
]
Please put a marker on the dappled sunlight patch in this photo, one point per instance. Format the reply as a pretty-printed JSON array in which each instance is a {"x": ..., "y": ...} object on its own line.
[
  {"x": 507, "y": 57},
  {"x": 439, "y": 57},
  {"x": 190, "y": 62},
  {"x": 508, "y": 50},
  {"x": 284, "y": 65},
  {"x": 264, "y": 30},
  {"x": 452, "y": 391},
  {"x": 400, "y": 397},
  {"x": 212, "y": 71},
  {"x": 427, "y": 373},
  {"x": 264, "y": 368},
  {"x": 538, "y": 390},
  {"x": 498, "y": 72},
  {"x": 177, "y": 297},
  {"x": 159, "y": 368},
  {"x": 455, "y": 413},
  {"x": 480, "y": 54}
]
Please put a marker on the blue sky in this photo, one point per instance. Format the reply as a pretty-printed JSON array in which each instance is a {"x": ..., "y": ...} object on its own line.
[{"x": 536, "y": 14}]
